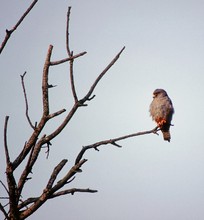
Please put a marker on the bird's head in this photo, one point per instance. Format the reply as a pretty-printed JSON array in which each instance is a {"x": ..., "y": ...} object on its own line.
[{"x": 159, "y": 93}]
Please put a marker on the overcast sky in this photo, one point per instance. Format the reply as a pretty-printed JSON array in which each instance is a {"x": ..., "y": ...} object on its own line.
[{"x": 148, "y": 178}]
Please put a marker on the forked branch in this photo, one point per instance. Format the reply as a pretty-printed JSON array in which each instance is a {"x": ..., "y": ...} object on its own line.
[
  {"x": 81, "y": 102},
  {"x": 50, "y": 192}
]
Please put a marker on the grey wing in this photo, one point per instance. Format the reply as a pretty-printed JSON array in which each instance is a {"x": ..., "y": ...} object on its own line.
[{"x": 169, "y": 110}]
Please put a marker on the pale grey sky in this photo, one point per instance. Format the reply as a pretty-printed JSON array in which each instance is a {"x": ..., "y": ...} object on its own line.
[{"x": 148, "y": 178}]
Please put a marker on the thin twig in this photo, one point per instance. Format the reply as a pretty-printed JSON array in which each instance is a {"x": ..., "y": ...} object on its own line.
[
  {"x": 56, "y": 113},
  {"x": 53, "y": 63},
  {"x": 88, "y": 95},
  {"x": 5, "y": 141},
  {"x": 72, "y": 191},
  {"x": 55, "y": 172},
  {"x": 48, "y": 149},
  {"x": 67, "y": 32},
  {"x": 9, "y": 32},
  {"x": 70, "y": 54},
  {"x": 72, "y": 179},
  {"x": 26, "y": 101},
  {"x": 64, "y": 192},
  {"x": 4, "y": 187},
  {"x": 111, "y": 141},
  {"x": 4, "y": 197},
  {"x": 4, "y": 211}
]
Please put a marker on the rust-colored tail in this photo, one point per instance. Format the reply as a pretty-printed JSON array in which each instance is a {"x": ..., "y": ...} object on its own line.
[{"x": 166, "y": 135}]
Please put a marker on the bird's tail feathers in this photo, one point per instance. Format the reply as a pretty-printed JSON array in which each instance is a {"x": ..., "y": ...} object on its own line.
[{"x": 166, "y": 135}]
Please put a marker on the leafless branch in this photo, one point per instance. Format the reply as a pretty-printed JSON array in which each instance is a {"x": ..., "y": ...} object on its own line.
[
  {"x": 26, "y": 100},
  {"x": 56, "y": 113},
  {"x": 9, "y": 32},
  {"x": 68, "y": 176},
  {"x": 4, "y": 211},
  {"x": 45, "y": 82},
  {"x": 70, "y": 54},
  {"x": 4, "y": 187},
  {"x": 31, "y": 161},
  {"x": 72, "y": 191},
  {"x": 55, "y": 172},
  {"x": 13, "y": 192},
  {"x": 64, "y": 192},
  {"x": 45, "y": 117},
  {"x": 48, "y": 193},
  {"x": 4, "y": 197},
  {"x": 53, "y": 63},
  {"x": 48, "y": 149},
  {"x": 88, "y": 95},
  {"x": 67, "y": 32},
  {"x": 64, "y": 123},
  {"x": 112, "y": 141},
  {"x": 5, "y": 141},
  {"x": 24, "y": 175},
  {"x": 70, "y": 180},
  {"x": 72, "y": 80}
]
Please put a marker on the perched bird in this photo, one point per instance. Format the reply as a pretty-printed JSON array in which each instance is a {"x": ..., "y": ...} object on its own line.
[{"x": 161, "y": 110}]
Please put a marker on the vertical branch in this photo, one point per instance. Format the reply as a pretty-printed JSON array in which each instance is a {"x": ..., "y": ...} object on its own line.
[
  {"x": 26, "y": 100},
  {"x": 45, "y": 82},
  {"x": 5, "y": 141},
  {"x": 45, "y": 117},
  {"x": 70, "y": 54},
  {"x": 67, "y": 32},
  {"x": 12, "y": 188},
  {"x": 72, "y": 78}
]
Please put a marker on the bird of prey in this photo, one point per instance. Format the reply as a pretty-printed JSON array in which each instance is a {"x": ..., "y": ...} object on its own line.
[{"x": 161, "y": 110}]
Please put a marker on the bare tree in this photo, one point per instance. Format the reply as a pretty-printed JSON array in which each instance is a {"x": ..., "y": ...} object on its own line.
[{"x": 12, "y": 205}]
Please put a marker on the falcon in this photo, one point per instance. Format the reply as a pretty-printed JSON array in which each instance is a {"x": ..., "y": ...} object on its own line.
[{"x": 161, "y": 109}]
